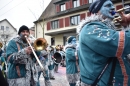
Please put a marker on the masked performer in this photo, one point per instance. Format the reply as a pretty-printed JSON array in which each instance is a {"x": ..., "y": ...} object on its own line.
[
  {"x": 4, "y": 64},
  {"x": 71, "y": 68},
  {"x": 50, "y": 50},
  {"x": 99, "y": 42},
  {"x": 44, "y": 61},
  {"x": 22, "y": 70}
]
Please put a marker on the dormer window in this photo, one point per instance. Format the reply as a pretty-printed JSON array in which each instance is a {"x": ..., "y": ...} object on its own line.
[
  {"x": 76, "y": 3},
  {"x": 62, "y": 7},
  {"x": 127, "y": 10}
]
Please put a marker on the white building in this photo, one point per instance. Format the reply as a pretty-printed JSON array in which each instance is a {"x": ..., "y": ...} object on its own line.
[{"x": 7, "y": 31}]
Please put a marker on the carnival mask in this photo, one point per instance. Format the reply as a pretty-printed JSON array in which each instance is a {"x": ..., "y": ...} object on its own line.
[
  {"x": 73, "y": 41},
  {"x": 106, "y": 9}
]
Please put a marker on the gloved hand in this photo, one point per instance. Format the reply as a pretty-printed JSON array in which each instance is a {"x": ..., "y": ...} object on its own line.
[{"x": 28, "y": 50}]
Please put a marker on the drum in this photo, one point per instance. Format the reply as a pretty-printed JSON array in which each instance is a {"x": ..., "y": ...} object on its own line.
[{"x": 57, "y": 58}]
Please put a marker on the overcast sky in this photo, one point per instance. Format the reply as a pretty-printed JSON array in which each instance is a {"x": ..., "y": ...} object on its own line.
[{"x": 22, "y": 12}]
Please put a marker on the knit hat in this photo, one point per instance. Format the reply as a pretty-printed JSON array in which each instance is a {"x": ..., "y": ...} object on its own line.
[
  {"x": 96, "y": 6},
  {"x": 23, "y": 28},
  {"x": 69, "y": 39}
]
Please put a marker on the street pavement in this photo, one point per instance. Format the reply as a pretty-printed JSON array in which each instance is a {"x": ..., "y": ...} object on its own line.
[{"x": 60, "y": 78}]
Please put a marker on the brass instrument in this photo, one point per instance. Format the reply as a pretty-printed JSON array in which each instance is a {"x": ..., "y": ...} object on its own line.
[
  {"x": 1, "y": 45},
  {"x": 120, "y": 13},
  {"x": 39, "y": 44}
]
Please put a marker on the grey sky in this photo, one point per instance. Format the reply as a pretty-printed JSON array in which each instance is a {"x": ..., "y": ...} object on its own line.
[{"x": 22, "y": 12}]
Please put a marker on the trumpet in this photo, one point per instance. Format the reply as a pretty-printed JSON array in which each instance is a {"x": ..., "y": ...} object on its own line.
[
  {"x": 119, "y": 18},
  {"x": 39, "y": 44}
]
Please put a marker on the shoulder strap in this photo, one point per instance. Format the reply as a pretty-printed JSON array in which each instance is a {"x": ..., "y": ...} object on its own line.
[
  {"x": 112, "y": 72},
  {"x": 102, "y": 72}
]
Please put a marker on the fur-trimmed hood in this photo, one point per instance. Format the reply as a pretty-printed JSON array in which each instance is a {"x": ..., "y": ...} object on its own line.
[
  {"x": 69, "y": 45},
  {"x": 19, "y": 40},
  {"x": 96, "y": 17},
  {"x": 99, "y": 18}
]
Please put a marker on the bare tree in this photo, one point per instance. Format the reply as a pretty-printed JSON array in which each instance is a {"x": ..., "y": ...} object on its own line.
[
  {"x": 5, "y": 37},
  {"x": 38, "y": 21}
]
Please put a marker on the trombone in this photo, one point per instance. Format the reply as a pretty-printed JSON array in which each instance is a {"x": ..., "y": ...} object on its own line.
[
  {"x": 120, "y": 13},
  {"x": 39, "y": 44}
]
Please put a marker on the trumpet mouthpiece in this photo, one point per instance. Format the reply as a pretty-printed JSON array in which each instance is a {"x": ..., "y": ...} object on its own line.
[{"x": 25, "y": 36}]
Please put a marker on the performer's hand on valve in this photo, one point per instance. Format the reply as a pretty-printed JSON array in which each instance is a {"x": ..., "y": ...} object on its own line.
[{"x": 28, "y": 50}]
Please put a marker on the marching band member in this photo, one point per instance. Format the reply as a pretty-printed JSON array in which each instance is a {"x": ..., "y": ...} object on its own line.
[
  {"x": 1, "y": 51},
  {"x": 56, "y": 65},
  {"x": 4, "y": 65},
  {"x": 44, "y": 60},
  {"x": 99, "y": 42},
  {"x": 51, "y": 62},
  {"x": 3, "y": 81},
  {"x": 22, "y": 70},
  {"x": 71, "y": 68}
]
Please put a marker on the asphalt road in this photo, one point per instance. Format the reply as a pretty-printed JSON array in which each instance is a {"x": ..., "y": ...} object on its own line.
[{"x": 60, "y": 78}]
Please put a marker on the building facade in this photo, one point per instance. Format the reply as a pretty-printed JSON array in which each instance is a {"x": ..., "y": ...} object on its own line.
[
  {"x": 7, "y": 31},
  {"x": 61, "y": 17}
]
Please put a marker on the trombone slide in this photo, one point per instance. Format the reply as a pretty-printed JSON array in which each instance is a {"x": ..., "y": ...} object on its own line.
[{"x": 36, "y": 57}]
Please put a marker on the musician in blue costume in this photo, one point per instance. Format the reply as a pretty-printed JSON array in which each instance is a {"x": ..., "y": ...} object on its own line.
[
  {"x": 99, "y": 41},
  {"x": 4, "y": 64},
  {"x": 44, "y": 60},
  {"x": 22, "y": 69},
  {"x": 71, "y": 68},
  {"x": 50, "y": 50}
]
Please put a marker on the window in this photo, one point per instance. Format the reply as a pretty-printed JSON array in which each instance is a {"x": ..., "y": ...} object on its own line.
[
  {"x": 74, "y": 20},
  {"x": 127, "y": 10},
  {"x": 55, "y": 24},
  {"x": 2, "y": 27},
  {"x": 2, "y": 36},
  {"x": 75, "y": 3},
  {"x": 53, "y": 41},
  {"x": 91, "y": 1},
  {"x": 7, "y": 28},
  {"x": 7, "y": 36},
  {"x": 62, "y": 7}
]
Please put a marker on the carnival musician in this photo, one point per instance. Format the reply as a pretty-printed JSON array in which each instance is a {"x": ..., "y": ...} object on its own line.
[
  {"x": 50, "y": 50},
  {"x": 100, "y": 44},
  {"x": 44, "y": 60},
  {"x": 22, "y": 70},
  {"x": 71, "y": 60},
  {"x": 56, "y": 65}
]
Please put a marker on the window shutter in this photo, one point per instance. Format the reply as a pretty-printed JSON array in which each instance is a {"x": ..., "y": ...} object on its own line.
[
  {"x": 82, "y": 16},
  {"x": 71, "y": 4},
  {"x": 85, "y": 1},
  {"x": 67, "y": 5},
  {"x": 81, "y": 2},
  {"x": 61, "y": 23},
  {"x": 67, "y": 21},
  {"x": 57, "y": 8},
  {"x": 119, "y": 7},
  {"x": 48, "y": 25}
]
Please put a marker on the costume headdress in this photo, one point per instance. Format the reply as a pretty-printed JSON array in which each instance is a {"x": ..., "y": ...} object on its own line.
[
  {"x": 69, "y": 39},
  {"x": 96, "y": 6}
]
